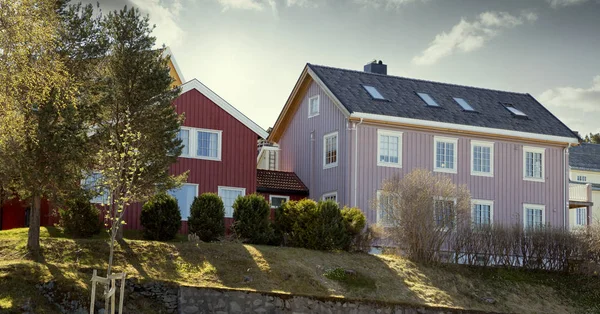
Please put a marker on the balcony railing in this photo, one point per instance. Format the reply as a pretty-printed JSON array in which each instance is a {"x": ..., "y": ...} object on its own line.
[{"x": 580, "y": 192}]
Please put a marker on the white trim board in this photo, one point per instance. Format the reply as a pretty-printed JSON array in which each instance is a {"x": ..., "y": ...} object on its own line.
[
  {"x": 462, "y": 127},
  {"x": 197, "y": 85},
  {"x": 168, "y": 52}
]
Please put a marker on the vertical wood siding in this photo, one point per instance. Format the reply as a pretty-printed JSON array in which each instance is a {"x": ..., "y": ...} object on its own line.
[
  {"x": 303, "y": 156},
  {"x": 506, "y": 188},
  {"x": 237, "y": 167}
]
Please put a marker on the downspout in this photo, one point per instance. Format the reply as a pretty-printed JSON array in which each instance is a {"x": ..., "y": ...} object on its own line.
[{"x": 356, "y": 161}]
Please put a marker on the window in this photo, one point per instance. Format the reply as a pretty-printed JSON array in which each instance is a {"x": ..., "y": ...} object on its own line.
[
  {"x": 581, "y": 216},
  {"x": 208, "y": 144},
  {"x": 277, "y": 200},
  {"x": 582, "y": 178},
  {"x": 389, "y": 147},
  {"x": 384, "y": 207},
  {"x": 533, "y": 164},
  {"x": 374, "y": 92},
  {"x": 313, "y": 106},
  {"x": 229, "y": 195},
  {"x": 332, "y": 196},
  {"x": 534, "y": 216},
  {"x": 443, "y": 213},
  {"x": 185, "y": 197},
  {"x": 184, "y": 136},
  {"x": 92, "y": 183},
  {"x": 482, "y": 158},
  {"x": 428, "y": 100},
  {"x": 200, "y": 143},
  {"x": 445, "y": 154},
  {"x": 330, "y": 149},
  {"x": 463, "y": 104},
  {"x": 482, "y": 212},
  {"x": 514, "y": 110}
]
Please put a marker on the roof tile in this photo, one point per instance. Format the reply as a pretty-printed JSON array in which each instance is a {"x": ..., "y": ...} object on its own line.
[{"x": 271, "y": 180}]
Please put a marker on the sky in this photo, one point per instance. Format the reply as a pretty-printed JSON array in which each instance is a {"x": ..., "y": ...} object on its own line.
[{"x": 251, "y": 52}]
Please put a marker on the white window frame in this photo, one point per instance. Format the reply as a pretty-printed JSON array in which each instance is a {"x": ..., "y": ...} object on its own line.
[
  {"x": 189, "y": 209},
  {"x": 287, "y": 199},
  {"x": 454, "y": 200},
  {"x": 102, "y": 198},
  {"x": 580, "y": 178},
  {"x": 189, "y": 142},
  {"x": 397, "y": 134},
  {"x": 310, "y": 113},
  {"x": 437, "y": 139},
  {"x": 230, "y": 188},
  {"x": 530, "y": 149},
  {"x": 384, "y": 223},
  {"x": 193, "y": 143},
  {"x": 337, "y": 150},
  {"x": 533, "y": 206},
  {"x": 489, "y": 203},
  {"x": 329, "y": 194},
  {"x": 577, "y": 216},
  {"x": 490, "y": 145}
]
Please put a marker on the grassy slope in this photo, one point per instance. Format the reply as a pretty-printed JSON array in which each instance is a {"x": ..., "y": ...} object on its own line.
[{"x": 286, "y": 270}]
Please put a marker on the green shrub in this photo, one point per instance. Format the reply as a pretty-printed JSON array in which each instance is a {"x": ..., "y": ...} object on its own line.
[
  {"x": 160, "y": 218},
  {"x": 80, "y": 218},
  {"x": 354, "y": 221},
  {"x": 207, "y": 217},
  {"x": 331, "y": 232},
  {"x": 251, "y": 219}
]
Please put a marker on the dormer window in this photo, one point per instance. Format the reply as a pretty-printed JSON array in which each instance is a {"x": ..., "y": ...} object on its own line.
[
  {"x": 374, "y": 92},
  {"x": 463, "y": 104},
  {"x": 428, "y": 100},
  {"x": 514, "y": 111}
]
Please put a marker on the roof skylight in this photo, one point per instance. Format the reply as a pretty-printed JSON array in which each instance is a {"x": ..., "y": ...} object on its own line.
[
  {"x": 514, "y": 110},
  {"x": 374, "y": 92},
  {"x": 464, "y": 104},
  {"x": 428, "y": 100}
]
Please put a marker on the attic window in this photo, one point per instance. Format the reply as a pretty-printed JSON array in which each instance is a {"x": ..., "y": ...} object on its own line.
[
  {"x": 514, "y": 110},
  {"x": 464, "y": 104},
  {"x": 428, "y": 100},
  {"x": 373, "y": 92}
]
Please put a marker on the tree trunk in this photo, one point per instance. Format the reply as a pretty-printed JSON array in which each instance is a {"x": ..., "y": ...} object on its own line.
[
  {"x": 33, "y": 238},
  {"x": 119, "y": 236}
]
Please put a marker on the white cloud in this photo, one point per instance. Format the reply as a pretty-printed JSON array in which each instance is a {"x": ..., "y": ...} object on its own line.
[
  {"x": 564, "y": 3},
  {"x": 387, "y": 4},
  {"x": 242, "y": 4},
  {"x": 578, "y": 107},
  {"x": 165, "y": 14},
  {"x": 302, "y": 3},
  {"x": 469, "y": 36}
]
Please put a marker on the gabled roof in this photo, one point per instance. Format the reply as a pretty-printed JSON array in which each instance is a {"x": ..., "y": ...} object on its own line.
[
  {"x": 585, "y": 157},
  {"x": 402, "y": 106},
  {"x": 279, "y": 181},
  {"x": 402, "y": 101},
  {"x": 195, "y": 84},
  {"x": 176, "y": 71}
]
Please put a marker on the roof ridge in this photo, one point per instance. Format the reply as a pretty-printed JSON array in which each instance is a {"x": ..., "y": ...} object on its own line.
[
  {"x": 416, "y": 79},
  {"x": 276, "y": 171}
]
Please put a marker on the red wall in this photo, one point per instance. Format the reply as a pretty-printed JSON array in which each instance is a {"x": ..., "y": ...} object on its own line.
[
  {"x": 13, "y": 214},
  {"x": 237, "y": 167}
]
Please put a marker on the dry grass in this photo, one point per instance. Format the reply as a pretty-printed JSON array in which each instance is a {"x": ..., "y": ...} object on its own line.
[{"x": 287, "y": 270}]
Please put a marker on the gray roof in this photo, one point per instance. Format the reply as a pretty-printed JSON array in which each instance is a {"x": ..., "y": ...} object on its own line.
[
  {"x": 402, "y": 101},
  {"x": 585, "y": 157}
]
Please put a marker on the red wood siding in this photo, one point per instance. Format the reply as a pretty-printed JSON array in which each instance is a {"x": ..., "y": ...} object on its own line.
[{"x": 237, "y": 167}]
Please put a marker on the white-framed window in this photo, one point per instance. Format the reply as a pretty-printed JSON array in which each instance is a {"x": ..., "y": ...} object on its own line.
[
  {"x": 92, "y": 183},
  {"x": 445, "y": 154},
  {"x": 444, "y": 212},
  {"x": 201, "y": 143},
  {"x": 185, "y": 195},
  {"x": 389, "y": 148},
  {"x": 331, "y": 196},
  {"x": 482, "y": 212},
  {"x": 533, "y": 163},
  {"x": 534, "y": 216},
  {"x": 581, "y": 216},
  {"x": 582, "y": 178},
  {"x": 313, "y": 106},
  {"x": 184, "y": 136},
  {"x": 384, "y": 207},
  {"x": 277, "y": 200},
  {"x": 228, "y": 195},
  {"x": 482, "y": 158},
  {"x": 330, "y": 150}
]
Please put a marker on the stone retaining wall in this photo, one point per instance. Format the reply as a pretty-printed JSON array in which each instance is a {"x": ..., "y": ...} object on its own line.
[{"x": 220, "y": 301}]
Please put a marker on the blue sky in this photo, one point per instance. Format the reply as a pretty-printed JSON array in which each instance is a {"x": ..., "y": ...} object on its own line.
[{"x": 251, "y": 52}]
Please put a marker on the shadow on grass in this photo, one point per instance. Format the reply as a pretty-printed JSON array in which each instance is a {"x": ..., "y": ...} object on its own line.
[{"x": 132, "y": 258}]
